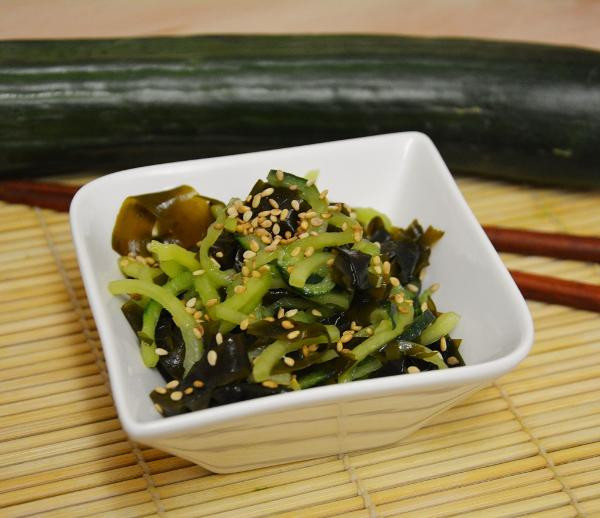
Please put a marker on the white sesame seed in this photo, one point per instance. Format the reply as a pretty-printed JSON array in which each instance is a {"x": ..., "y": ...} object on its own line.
[
  {"x": 295, "y": 205},
  {"x": 232, "y": 212},
  {"x": 284, "y": 214},
  {"x": 266, "y": 223},
  {"x": 172, "y": 384},
  {"x": 315, "y": 222},
  {"x": 254, "y": 246},
  {"x": 387, "y": 267},
  {"x": 443, "y": 344},
  {"x": 344, "y": 226},
  {"x": 158, "y": 408},
  {"x": 268, "y": 191},
  {"x": 244, "y": 324},
  {"x": 211, "y": 357},
  {"x": 239, "y": 289},
  {"x": 376, "y": 259},
  {"x": 247, "y": 216},
  {"x": 434, "y": 287},
  {"x": 276, "y": 229},
  {"x": 310, "y": 183},
  {"x": 293, "y": 334},
  {"x": 309, "y": 251},
  {"x": 279, "y": 175},
  {"x": 339, "y": 346},
  {"x": 256, "y": 201},
  {"x": 198, "y": 332},
  {"x": 452, "y": 360},
  {"x": 288, "y": 361},
  {"x": 269, "y": 384},
  {"x": 160, "y": 390},
  {"x": 291, "y": 312},
  {"x": 273, "y": 203},
  {"x": 293, "y": 187},
  {"x": 286, "y": 324},
  {"x": 413, "y": 369},
  {"x": 160, "y": 351},
  {"x": 394, "y": 281},
  {"x": 188, "y": 390},
  {"x": 219, "y": 338},
  {"x": 424, "y": 306},
  {"x": 377, "y": 269},
  {"x": 249, "y": 254},
  {"x": 198, "y": 383},
  {"x": 280, "y": 313},
  {"x": 295, "y": 251},
  {"x": 191, "y": 303},
  {"x": 316, "y": 313},
  {"x": 412, "y": 288},
  {"x": 177, "y": 395}
]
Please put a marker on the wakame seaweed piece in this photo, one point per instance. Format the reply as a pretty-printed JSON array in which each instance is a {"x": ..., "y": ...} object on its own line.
[
  {"x": 227, "y": 245},
  {"x": 168, "y": 337},
  {"x": 452, "y": 349},
  {"x": 409, "y": 250},
  {"x": 134, "y": 313},
  {"x": 231, "y": 365},
  {"x": 284, "y": 197},
  {"x": 178, "y": 215},
  {"x": 404, "y": 257},
  {"x": 235, "y": 392},
  {"x": 351, "y": 269},
  {"x": 377, "y": 231},
  {"x": 401, "y": 365}
]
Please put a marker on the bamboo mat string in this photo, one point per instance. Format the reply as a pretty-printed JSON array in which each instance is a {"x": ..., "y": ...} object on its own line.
[
  {"x": 98, "y": 357},
  {"x": 549, "y": 462},
  {"x": 360, "y": 488}
]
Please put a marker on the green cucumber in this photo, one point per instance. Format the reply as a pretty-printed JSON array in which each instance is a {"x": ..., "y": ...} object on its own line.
[{"x": 511, "y": 110}]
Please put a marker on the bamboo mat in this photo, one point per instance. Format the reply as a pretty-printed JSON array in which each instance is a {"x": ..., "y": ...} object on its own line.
[{"x": 527, "y": 445}]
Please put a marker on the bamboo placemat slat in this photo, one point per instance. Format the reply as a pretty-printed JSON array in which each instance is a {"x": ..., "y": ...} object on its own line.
[{"x": 529, "y": 444}]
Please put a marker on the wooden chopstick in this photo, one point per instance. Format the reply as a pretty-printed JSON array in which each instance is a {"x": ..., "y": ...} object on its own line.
[
  {"x": 46, "y": 195},
  {"x": 547, "y": 244},
  {"x": 535, "y": 287},
  {"x": 558, "y": 291}
]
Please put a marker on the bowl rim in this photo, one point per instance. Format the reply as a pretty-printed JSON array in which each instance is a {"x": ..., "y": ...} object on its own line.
[{"x": 469, "y": 374}]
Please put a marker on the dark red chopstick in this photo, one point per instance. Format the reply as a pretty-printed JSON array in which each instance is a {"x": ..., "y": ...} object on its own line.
[
  {"x": 547, "y": 244},
  {"x": 46, "y": 195},
  {"x": 534, "y": 287},
  {"x": 558, "y": 291}
]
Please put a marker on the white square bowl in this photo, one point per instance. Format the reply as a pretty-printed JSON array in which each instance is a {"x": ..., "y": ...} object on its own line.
[{"x": 400, "y": 174}]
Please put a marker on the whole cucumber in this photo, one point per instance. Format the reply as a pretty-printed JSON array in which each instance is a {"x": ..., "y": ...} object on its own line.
[{"x": 509, "y": 110}]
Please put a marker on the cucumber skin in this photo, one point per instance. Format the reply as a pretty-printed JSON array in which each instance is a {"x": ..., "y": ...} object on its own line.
[{"x": 508, "y": 110}]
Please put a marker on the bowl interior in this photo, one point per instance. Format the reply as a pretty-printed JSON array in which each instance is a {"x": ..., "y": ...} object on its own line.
[{"x": 401, "y": 175}]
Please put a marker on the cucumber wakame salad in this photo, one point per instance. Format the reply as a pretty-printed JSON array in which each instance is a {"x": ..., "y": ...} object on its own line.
[{"x": 281, "y": 290}]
